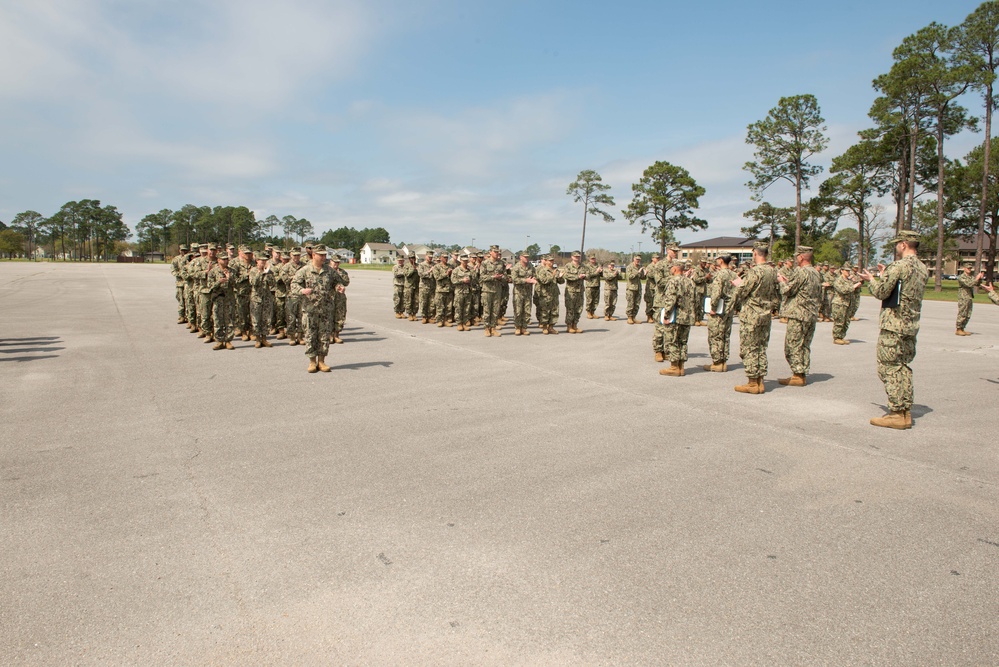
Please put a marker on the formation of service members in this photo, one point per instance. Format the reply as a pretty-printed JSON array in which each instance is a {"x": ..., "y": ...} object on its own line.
[{"x": 223, "y": 293}]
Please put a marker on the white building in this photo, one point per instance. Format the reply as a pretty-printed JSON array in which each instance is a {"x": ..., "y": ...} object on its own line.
[{"x": 378, "y": 253}]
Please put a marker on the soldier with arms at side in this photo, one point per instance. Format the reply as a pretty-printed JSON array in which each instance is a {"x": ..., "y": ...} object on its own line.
[
  {"x": 802, "y": 292},
  {"x": 966, "y": 284},
  {"x": 757, "y": 295}
]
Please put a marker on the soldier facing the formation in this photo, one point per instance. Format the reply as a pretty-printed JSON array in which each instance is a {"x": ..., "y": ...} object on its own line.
[
  {"x": 757, "y": 297},
  {"x": 802, "y": 292}
]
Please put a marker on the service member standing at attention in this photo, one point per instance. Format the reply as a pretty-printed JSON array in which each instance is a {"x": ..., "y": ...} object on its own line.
[
  {"x": 802, "y": 289},
  {"x": 444, "y": 299},
  {"x": 399, "y": 287},
  {"x": 757, "y": 294},
  {"x": 315, "y": 284},
  {"x": 592, "y": 295},
  {"x": 218, "y": 285},
  {"x": 844, "y": 288},
  {"x": 900, "y": 287},
  {"x": 292, "y": 302},
  {"x": 261, "y": 279},
  {"x": 633, "y": 292},
  {"x": 461, "y": 279},
  {"x": 412, "y": 293},
  {"x": 175, "y": 271},
  {"x": 651, "y": 273},
  {"x": 719, "y": 314},
  {"x": 966, "y": 284},
  {"x": 700, "y": 275},
  {"x": 548, "y": 281},
  {"x": 339, "y": 298},
  {"x": 610, "y": 277},
  {"x": 679, "y": 314},
  {"x": 492, "y": 275},
  {"x": 203, "y": 265},
  {"x": 428, "y": 289},
  {"x": 523, "y": 279},
  {"x": 575, "y": 276}
]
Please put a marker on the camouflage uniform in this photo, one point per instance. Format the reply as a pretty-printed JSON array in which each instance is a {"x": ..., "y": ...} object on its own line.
[
  {"x": 803, "y": 297},
  {"x": 261, "y": 300},
  {"x": 610, "y": 278},
  {"x": 633, "y": 291},
  {"x": 444, "y": 297},
  {"x": 678, "y": 302},
  {"x": 966, "y": 285},
  {"x": 315, "y": 306},
  {"x": 218, "y": 289},
  {"x": 462, "y": 295},
  {"x": 428, "y": 289},
  {"x": 757, "y": 297},
  {"x": 190, "y": 296},
  {"x": 651, "y": 276},
  {"x": 399, "y": 289},
  {"x": 548, "y": 282},
  {"x": 659, "y": 331},
  {"x": 178, "y": 280},
  {"x": 411, "y": 293},
  {"x": 575, "y": 276},
  {"x": 339, "y": 302},
  {"x": 491, "y": 290},
  {"x": 242, "y": 292},
  {"x": 292, "y": 302},
  {"x": 592, "y": 287},
  {"x": 280, "y": 292},
  {"x": 699, "y": 276},
  {"x": 721, "y": 294},
  {"x": 522, "y": 293},
  {"x": 504, "y": 298},
  {"x": 994, "y": 297},
  {"x": 786, "y": 271},
  {"x": 844, "y": 292},
  {"x": 200, "y": 273},
  {"x": 899, "y": 326}
]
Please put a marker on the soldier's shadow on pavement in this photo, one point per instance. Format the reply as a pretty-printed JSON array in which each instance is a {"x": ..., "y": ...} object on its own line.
[
  {"x": 819, "y": 377},
  {"x": 364, "y": 340},
  {"x": 29, "y": 345},
  {"x": 363, "y": 364},
  {"x": 917, "y": 410}
]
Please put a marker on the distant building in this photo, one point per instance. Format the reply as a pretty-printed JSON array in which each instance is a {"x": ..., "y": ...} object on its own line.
[
  {"x": 378, "y": 253},
  {"x": 736, "y": 246},
  {"x": 346, "y": 255},
  {"x": 966, "y": 249},
  {"x": 411, "y": 249}
]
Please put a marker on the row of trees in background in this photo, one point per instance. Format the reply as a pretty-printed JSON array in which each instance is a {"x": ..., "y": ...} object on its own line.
[{"x": 79, "y": 230}]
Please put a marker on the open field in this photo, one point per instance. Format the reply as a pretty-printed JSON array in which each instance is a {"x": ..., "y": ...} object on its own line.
[{"x": 442, "y": 498}]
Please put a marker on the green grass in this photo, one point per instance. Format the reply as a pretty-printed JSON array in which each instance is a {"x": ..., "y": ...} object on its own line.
[{"x": 366, "y": 267}]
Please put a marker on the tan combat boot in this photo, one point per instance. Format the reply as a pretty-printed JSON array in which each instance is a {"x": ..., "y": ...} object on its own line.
[
  {"x": 282, "y": 335},
  {"x": 258, "y": 344},
  {"x": 312, "y": 365},
  {"x": 660, "y": 357},
  {"x": 716, "y": 368},
  {"x": 908, "y": 418},
  {"x": 796, "y": 380},
  {"x": 496, "y": 333},
  {"x": 649, "y": 320},
  {"x": 321, "y": 365},
  {"x": 631, "y": 320},
  {"x": 218, "y": 346},
  {"x": 962, "y": 332},
  {"x": 209, "y": 338},
  {"x": 526, "y": 332},
  {"x": 516, "y": 331},
  {"x": 412, "y": 318},
  {"x": 265, "y": 342},
  {"x": 441, "y": 323},
  {"x": 895, "y": 420},
  {"x": 752, "y": 386},
  {"x": 181, "y": 320},
  {"x": 674, "y": 370},
  {"x": 229, "y": 346},
  {"x": 840, "y": 341},
  {"x": 337, "y": 340}
]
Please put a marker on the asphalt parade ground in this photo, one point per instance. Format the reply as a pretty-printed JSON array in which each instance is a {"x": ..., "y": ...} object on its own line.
[{"x": 443, "y": 498}]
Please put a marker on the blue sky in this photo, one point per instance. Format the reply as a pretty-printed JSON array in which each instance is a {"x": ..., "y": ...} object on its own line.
[{"x": 445, "y": 121}]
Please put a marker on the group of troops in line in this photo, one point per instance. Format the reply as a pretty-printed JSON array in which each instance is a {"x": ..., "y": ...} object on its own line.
[{"x": 227, "y": 292}]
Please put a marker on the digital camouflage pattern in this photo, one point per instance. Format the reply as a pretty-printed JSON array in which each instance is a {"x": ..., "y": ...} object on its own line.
[
  {"x": 316, "y": 323},
  {"x": 218, "y": 289},
  {"x": 262, "y": 301},
  {"x": 802, "y": 299},
  {"x": 428, "y": 288},
  {"x": 399, "y": 288},
  {"x": 292, "y": 302},
  {"x": 461, "y": 279},
  {"x": 575, "y": 277},
  {"x": 633, "y": 291},
  {"x": 411, "y": 294},
  {"x": 523, "y": 292},
  {"x": 444, "y": 298},
  {"x": 757, "y": 297},
  {"x": 721, "y": 293},
  {"x": 678, "y": 296},
  {"x": 966, "y": 285},
  {"x": 492, "y": 274}
]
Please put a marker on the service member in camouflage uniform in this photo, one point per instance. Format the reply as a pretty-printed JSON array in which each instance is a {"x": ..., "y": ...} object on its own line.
[
  {"x": 700, "y": 277},
  {"x": 339, "y": 298},
  {"x": 492, "y": 275},
  {"x": 844, "y": 290},
  {"x": 757, "y": 295},
  {"x": 175, "y": 270},
  {"x": 411, "y": 295},
  {"x": 591, "y": 295},
  {"x": 966, "y": 284},
  {"x": 475, "y": 263},
  {"x": 261, "y": 279},
  {"x": 292, "y": 302},
  {"x": 314, "y": 283},
  {"x": 548, "y": 279},
  {"x": 399, "y": 287},
  {"x": 202, "y": 266},
  {"x": 610, "y": 275},
  {"x": 802, "y": 292},
  {"x": 522, "y": 275},
  {"x": 633, "y": 290},
  {"x": 991, "y": 292},
  {"x": 784, "y": 270},
  {"x": 218, "y": 286},
  {"x": 428, "y": 289},
  {"x": 720, "y": 314},
  {"x": 575, "y": 276},
  {"x": 461, "y": 281},
  {"x": 678, "y": 306},
  {"x": 651, "y": 273},
  {"x": 444, "y": 298},
  {"x": 899, "y": 322}
]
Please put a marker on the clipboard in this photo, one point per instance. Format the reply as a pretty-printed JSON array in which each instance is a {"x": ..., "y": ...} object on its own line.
[
  {"x": 663, "y": 319},
  {"x": 892, "y": 300},
  {"x": 721, "y": 306}
]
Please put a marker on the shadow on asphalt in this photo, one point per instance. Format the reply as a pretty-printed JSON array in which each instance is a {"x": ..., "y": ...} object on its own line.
[
  {"x": 44, "y": 356},
  {"x": 360, "y": 365},
  {"x": 28, "y": 346}
]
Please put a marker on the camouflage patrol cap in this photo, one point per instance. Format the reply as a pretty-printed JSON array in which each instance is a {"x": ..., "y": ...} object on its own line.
[
  {"x": 494, "y": 248},
  {"x": 182, "y": 247},
  {"x": 673, "y": 246},
  {"x": 576, "y": 253},
  {"x": 229, "y": 246},
  {"x": 195, "y": 246},
  {"x": 262, "y": 258},
  {"x": 480, "y": 255},
  {"x": 224, "y": 256},
  {"x": 591, "y": 256},
  {"x": 800, "y": 250},
  {"x": 319, "y": 249},
  {"x": 285, "y": 254},
  {"x": 308, "y": 246},
  {"x": 638, "y": 257},
  {"x": 761, "y": 246},
  {"x": 244, "y": 248},
  {"x": 547, "y": 258},
  {"x": 906, "y": 236},
  {"x": 268, "y": 246},
  {"x": 296, "y": 251},
  {"x": 656, "y": 255},
  {"x": 429, "y": 253},
  {"x": 463, "y": 258},
  {"x": 335, "y": 258}
]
